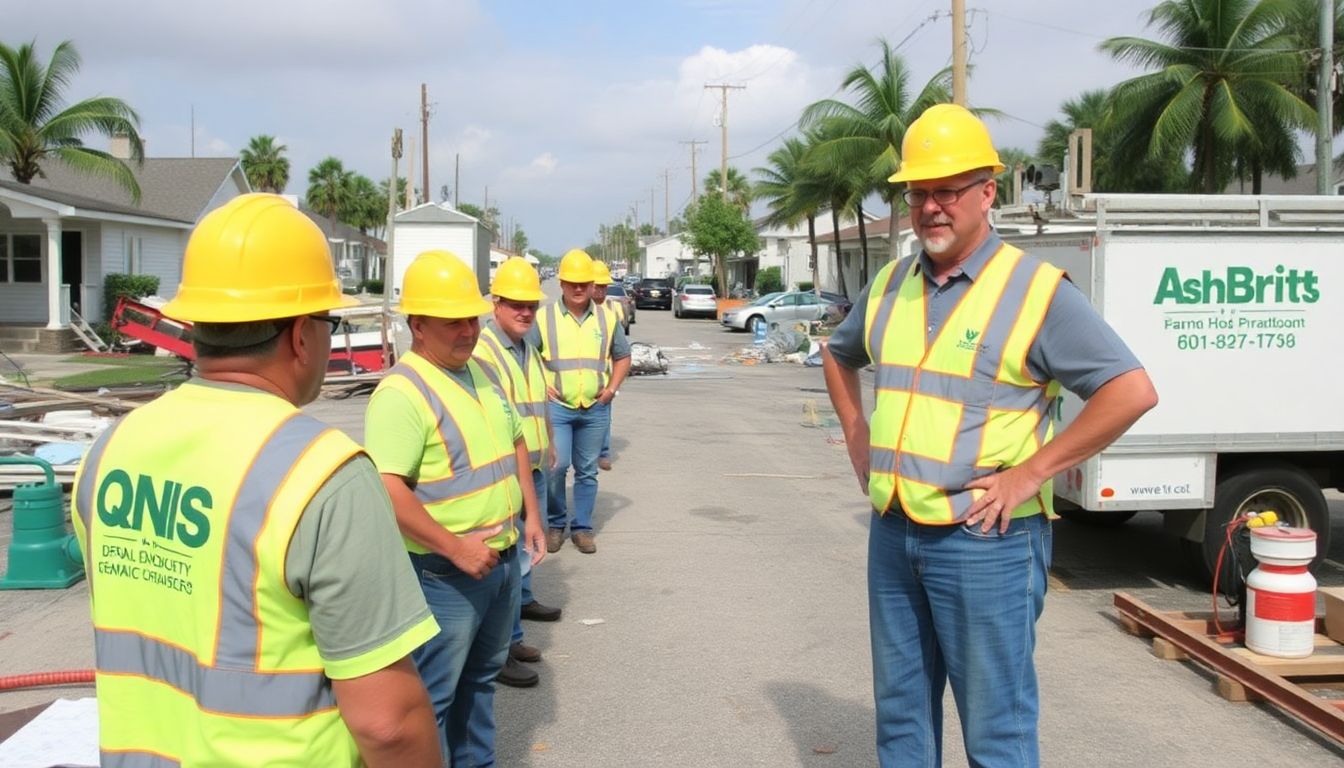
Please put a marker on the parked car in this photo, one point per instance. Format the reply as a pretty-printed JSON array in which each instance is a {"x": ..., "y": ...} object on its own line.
[
  {"x": 617, "y": 292},
  {"x": 840, "y": 302},
  {"x": 695, "y": 299},
  {"x": 783, "y": 308},
  {"x": 655, "y": 292}
]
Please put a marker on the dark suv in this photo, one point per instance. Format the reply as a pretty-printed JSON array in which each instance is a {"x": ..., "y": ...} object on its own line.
[{"x": 653, "y": 292}]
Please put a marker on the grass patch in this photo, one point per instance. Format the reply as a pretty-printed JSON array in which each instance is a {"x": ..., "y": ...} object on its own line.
[
  {"x": 122, "y": 374},
  {"x": 131, "y": 360}
]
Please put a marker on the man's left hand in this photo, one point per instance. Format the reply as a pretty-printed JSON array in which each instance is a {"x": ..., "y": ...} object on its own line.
[
  {"x": 605, "y": 395},
  {"x": 1003, "y": 492}
]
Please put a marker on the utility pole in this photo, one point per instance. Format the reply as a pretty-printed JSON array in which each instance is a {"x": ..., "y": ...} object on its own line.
[
  {"x": 457, "y": 179},
  {"x": 424, "y": 139},
  {"x": 411, "y": 197},
  {"x": 667, "y": 220},
  {"x": 959, "y": 52},
  {"x": 652, "y": 223},
  {"x": 723, "y": 124},
  {"x": 389, "y": 274},
  {"x": 193, "y": 130},
  {"x": 694, "y": 150},
  {"x": 635, "y": 208},
  {"x": 1324, "y": 108}
]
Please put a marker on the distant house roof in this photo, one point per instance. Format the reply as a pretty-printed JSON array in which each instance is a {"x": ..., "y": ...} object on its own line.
[
  {"x": 435, "y": 213},
  {"x": 174, "y": 188},
  {"x": 77, "y": 201},
  {"x": 877, "y": 228},
  {"x": 1304, "y": 183},
  {"x": 339, "y": 230}
]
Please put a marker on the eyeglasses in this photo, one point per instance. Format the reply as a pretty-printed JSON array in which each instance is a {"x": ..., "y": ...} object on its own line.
[
  {"x": 332, "y": 320},
  {"x": 520, "y": 306},
  {"x": 915, "y": 198}
]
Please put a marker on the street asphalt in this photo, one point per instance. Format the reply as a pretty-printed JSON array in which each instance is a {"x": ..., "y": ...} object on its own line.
[{"x": 723, "y": 619}]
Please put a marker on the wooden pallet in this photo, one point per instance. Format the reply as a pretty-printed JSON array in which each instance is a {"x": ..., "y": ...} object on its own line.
[{"x": 1241, "y": 674}]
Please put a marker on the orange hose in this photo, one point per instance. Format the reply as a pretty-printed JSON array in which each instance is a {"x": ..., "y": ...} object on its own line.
[{"x": 36, "y": 679}]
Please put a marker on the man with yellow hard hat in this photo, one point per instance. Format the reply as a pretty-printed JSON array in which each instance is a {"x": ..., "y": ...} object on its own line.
[
  {"x": 454, "y": 459},
  {"x": 616, "y": 312},
  {"x": 577, "y": 339},
  {"x": 972, "y": 340},
  {"x": 516, "y": 365},
  {"x": 251, "y": 602}
]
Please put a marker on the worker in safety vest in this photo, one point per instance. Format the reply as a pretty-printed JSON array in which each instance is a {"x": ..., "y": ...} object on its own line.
[
  {"x": 251, "y": 602},
  {"x": 616, "y": 313},
  {"x": 516, "y": 366},
  {"x": 453, "y": 457},
  {"x": 577, "y": 339},
  {"x": 971, "y": 340}
]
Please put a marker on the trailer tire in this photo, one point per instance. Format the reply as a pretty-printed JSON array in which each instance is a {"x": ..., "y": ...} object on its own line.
[
  {"x": 1096, "y": 519},
  {"x": 1279, "y": 486}
]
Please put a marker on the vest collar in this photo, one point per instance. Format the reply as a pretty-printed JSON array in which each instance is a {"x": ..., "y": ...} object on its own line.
[
  {"x": 971, "y": 267},
  {"x": 503, "y": 337},
  {"x": 563, "y": 307}
]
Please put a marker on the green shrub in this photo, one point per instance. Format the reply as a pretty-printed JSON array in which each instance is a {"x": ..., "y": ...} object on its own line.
[
  {"x": 374, "y": 287},
  {"x": 769, "y": 280},
  {"x": 806, "y": 285},
  {"x": 117, "y": 285}
]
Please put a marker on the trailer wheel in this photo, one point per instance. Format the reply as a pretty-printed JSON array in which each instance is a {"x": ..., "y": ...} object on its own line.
[
  {"x": 1276, "y": 486},
  {"x": 1096, "y": 519}
]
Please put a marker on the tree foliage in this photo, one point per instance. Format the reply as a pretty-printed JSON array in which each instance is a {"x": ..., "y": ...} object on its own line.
[
  {"x": 1221, "y": 89},
  {"x": 718, "y": 229},
  {"x": 265, "y": 165},
  {"x": 36, "y": 127},
  {"x": 739, "y": 188}
]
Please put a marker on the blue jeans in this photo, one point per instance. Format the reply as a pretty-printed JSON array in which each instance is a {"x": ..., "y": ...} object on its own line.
[
  {"x": 952, "y": 603},
  {"x": 605, "y": 453},
  {"x": 459, "y": 664},
  {"x": 525, "y": 582},
  {"x": 578, "y": 439}
]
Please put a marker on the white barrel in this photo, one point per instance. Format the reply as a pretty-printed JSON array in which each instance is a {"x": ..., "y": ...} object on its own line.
[{"x": 1281, "y": 593}]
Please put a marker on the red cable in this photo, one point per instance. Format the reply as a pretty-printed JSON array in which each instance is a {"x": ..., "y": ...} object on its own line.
[
  {"x": 37, "y": 679},
  {"x": 1217, "y": 570}
]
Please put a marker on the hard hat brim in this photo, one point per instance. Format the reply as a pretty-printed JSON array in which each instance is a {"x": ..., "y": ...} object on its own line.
[
  {"x": 447, "y": 310},
  {"x": 927, "y": 174},
  {"x": 197, "y": 308}
]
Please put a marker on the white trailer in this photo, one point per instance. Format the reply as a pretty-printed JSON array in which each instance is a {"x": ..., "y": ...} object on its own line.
[{"x": 1235, "y": 306}]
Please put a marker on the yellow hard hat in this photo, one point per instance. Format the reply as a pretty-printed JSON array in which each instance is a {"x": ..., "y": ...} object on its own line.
[
  {"x": 944, "y": 141},
  {"x": 601, "y": 274},
  {"x": 516, "y": 279},
  {"x": 439, "y": 284},
  {"x": 256, "y": 257},
  {"x": 576, "y": 266}
]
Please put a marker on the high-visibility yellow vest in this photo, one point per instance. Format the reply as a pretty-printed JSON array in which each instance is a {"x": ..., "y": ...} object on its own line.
[
  {"x": 615, "y": 315},
  {"x": 468, "y": 478},
  {"x": 575, "y": 355},
  {"x": 966, "y": 405},
  {"x": 204, "y": 657},
  {"x": 617, "y": 309},
  {"x": 524, "y": 384}
]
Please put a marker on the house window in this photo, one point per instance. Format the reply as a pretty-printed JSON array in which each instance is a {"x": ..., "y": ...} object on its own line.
[
  {"x": 21, "y": 258},
  {"x": 134, "y": 247}
]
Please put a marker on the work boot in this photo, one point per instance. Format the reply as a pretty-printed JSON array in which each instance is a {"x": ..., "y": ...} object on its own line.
[
  {"x": 521, "y": 651},
  {"x": 585, "y": 543},
  {"x": 604, "y": 462},
  {"x": 535, "y": 611},
  {"x": 555, "y": 538},
  {"x": 515, "y": 675}
]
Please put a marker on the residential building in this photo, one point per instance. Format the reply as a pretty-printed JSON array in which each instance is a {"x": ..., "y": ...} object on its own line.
[
  {"x": 355, "y": 256},
  {"x": 63, "y": 233},
  {"x": 1304, "y": 183}
]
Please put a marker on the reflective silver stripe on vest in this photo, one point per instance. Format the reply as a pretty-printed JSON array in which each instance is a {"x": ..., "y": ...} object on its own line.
[
  {"x": 559, "y": 365},
  {"x": 240, "y": 692},
  {"x": 553, "y": 346},
  {"x": 998, "y": 394},
  {"x": 134, "y": 760},
  {"x": 603, "y": 348},
  {"x": 466, "y": 479},
  {"x": 238, "y": 629},
  {"x": 86, "y": 494},
  {"x": 531, "y": 410}
]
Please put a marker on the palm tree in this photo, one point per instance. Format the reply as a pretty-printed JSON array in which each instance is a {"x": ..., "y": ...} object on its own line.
[
  {"x": 35, "y": 127},
  {"x": 329, "y": 188},
  {"x": 1111, "y": 172},
  {"x": 842, "y": 186},
  {"x": 791, "y": 194},
  {"x": 739, "y": 188},
  {"x": 1221, "y": 88},
  {"x": 868, "y": 133},
  {"x": 367, "y": 208},
  {"x": 265, "y": 165}
]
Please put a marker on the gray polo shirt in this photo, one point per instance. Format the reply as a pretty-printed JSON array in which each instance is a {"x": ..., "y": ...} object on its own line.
[
  {"x": 620, "y": 345},
  {"x": 1074, "y": 346}
]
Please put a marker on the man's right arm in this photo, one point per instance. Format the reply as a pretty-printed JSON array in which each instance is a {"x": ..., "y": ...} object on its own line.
[
  {"x": 389, "y": 714},
  {"x": 840, "y": 360}
]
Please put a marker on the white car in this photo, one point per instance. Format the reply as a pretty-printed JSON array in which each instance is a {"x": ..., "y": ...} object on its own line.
[
  {"x": 694, "y": 299},
  {"x": 781, "y": 308}
]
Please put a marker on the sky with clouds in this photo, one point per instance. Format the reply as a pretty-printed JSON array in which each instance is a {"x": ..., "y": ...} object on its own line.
[{"x": 569, "y": 112}]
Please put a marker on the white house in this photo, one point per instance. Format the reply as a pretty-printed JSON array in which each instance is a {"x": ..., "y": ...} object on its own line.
[
  {"x": 439, "y": 227},
  {"x": 355, "y": 256},
  {"x": 60, "y": 235},
  {"x": 879, "y": 252}
]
